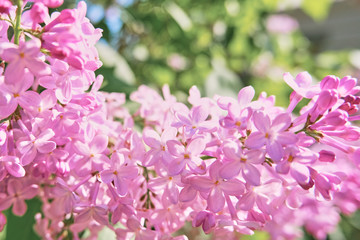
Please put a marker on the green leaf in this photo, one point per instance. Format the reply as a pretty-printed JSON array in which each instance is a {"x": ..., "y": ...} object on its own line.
[
  {"x": 22, "y": 227},
  {"x": 318, "y": 9},
  {"x": 112, "y": 83}
]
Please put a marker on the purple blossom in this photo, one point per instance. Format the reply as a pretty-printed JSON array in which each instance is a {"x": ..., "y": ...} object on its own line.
[
  {"x": 181, "y": 157},
  {"x": 273, "y": 134},
  {"x": 216, "y": 188},
  {"x": 17, "y": 193}
]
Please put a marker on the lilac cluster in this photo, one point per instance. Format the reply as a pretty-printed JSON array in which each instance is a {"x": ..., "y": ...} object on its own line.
[{"x": 231, "y": 166}]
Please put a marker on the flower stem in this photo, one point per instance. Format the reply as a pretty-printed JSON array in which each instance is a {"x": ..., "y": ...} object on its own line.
[{"x": 17, "y": 21}]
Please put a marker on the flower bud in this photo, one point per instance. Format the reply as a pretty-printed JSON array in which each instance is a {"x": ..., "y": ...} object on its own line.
[
  {"x": 329, "y": 82},
  {"x": 38, "y": 12},
  {"x": 206, "y": 219},
  {"x": 5, "y": 6},
  {"x": 326, "y": 156}
]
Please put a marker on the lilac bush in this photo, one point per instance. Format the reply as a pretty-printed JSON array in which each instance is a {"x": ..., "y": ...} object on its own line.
[{"x": 230, "y": 166}]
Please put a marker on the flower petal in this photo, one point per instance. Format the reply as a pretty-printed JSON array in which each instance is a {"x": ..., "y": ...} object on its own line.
[
  {"x": 232, "y": 187},
  {"x": 45, "y": 147},
  {"x": 286, "y": 138},
  {"x": 199, "y": 113},
  {"x": 29, "y": 192},
  {"x": 201, "y": 183},
  {"x": 175, "y": 148},
  {"x": 261, "y": 121},
  {"x": 300, "y": 173},
  {"x": 6, "y": 202},
  {"x": 15, "y": 169},
  {"x": 196, "y": 146},
  {"x": 245, "y": 95},
  {"x": 19, "y": 207},
  {"x": 251, "y": 175},
  {"x": 176, "y": 166},
  {"x": 256, "y": 140},
  {"x": 107, "y": 176},
  {"x": 281, "y": 122},
  {"x": 230, "y": 170},
  {"x": 187, "y": 194},
  {"x": 98, "y": 144},
  {"x": 275, "y": 150},
  {"x": 151, "y": 138},
  {"x": 216, "y": 200},
  {"x": 232, "y": 150},
  {"x": 246, "y": 202}
]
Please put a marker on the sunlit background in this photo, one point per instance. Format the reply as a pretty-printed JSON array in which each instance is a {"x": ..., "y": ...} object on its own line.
[{"x": 221, "y": 46}]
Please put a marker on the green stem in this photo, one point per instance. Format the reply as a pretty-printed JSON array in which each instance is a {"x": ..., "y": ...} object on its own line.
[
  {"x": 146, "y": 174},
  {"x": 147, "y": 201},
  {"x": 17, "y": 21}
]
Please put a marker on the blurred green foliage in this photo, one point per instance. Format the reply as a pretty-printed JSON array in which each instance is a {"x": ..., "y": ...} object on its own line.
[{"x": 217, "y": 45}]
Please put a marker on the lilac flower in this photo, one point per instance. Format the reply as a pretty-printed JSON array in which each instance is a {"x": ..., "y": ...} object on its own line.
[
  {"x": 135, "y": 228},
  {"x": 261, "y": 196},
  {"x": 182, "y": 156},
  {"x": 12, "y": 165},
  {"x": 216, "y": 188},
  {"x": 64, "y": 197},
  {"x": 32, "y": 145},
  {"x": 90, "y": 213},
  {"x": 302, "y": 84},
  {"x": 296, "y": 164},
  {"x": 93, "y": 152},
  {"x": 63, "y": 82},
  {"x": 12, "y": 95},
  {"x": 119, "y": 173},
  {"x": 206, "y": 219},
  {"x": 168, "y": 217},
  {"x": 324, "y": 184},
  {"x": 239, "y": 112},
  {"x": 17, "y": 193},
  {"x": 122, "y": 206},
  {"x": 241, "y": 160},
  {"x": 194, "y": 121},
  {"x": 272, "y": 134},
  {"x": 167, "y": 186},
  {"x": 26, "y": 55},
  {"x": 157, "y": 144}
]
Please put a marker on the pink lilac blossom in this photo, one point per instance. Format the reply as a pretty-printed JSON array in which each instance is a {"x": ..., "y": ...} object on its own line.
[{"x": 231, "y": 166}]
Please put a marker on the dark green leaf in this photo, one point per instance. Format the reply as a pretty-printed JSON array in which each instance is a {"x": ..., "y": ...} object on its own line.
[{"x": 22, "y": 227}]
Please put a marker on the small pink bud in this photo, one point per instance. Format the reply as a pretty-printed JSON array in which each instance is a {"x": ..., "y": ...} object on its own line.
[
  {"x": 329, "y": 82},
  {"x": 336, "y": 118},
  {"x": 206, "y": 219},
  {"x": 38, "y": 12},
  {"x": 53, "y": 3},
  {"x": 326, "y": 156},
  {"x": 5, "y": 6},
  {"x": 66, "y": 16}
]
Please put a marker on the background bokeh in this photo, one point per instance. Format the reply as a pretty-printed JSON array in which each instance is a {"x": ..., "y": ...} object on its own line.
[{"x": 221, "y": 46}]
